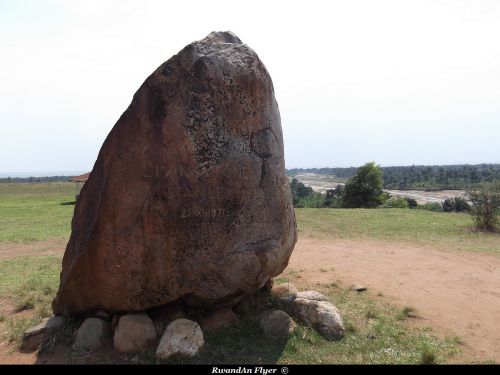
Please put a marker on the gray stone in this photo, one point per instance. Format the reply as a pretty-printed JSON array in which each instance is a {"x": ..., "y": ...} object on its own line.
[
  {"x": 93, "y": 334},
  {"x": 312, "y": 295},
  {"x": 182, "y": 337},
  {"x": 276, "y": 324},
  {"x": 321, "y": 315},
  {"x": 134, "y": 333},
  {"x": 35, "y": 336}
]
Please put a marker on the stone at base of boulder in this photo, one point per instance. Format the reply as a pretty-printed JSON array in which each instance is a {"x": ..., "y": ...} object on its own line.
[
  {"x": 164, "y": 315},
  {"x": 276, "y": 324},
  {"x": 35, "y": 336},
  {"x": 102, "y": 314},
  {"x": 217, "y": 319},
  {"x": 93, "y": 334},
  {"x": 134, "y": 333},
  {"x": 182, "y": 337},
  {"x": 284, "y": 293},
  {"x": 312, "y": 295},
  {"x": 268, "y": 285},
  {"x": 321, "y": 315},
  {"x": 253, "y": 305}
]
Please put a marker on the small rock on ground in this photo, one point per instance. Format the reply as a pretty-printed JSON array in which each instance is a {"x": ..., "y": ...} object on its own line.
[
  {"x": 321, "y": 315},
  {"x": 182, "y": 337},
  {"x": 359, "y": 288},
  {"x": 312, "y": 295},
  {"x": 34, "y": 337}
]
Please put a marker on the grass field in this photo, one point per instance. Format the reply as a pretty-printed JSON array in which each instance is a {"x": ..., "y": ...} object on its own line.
[
  {"x": 34, "y": 212},
  {"x": 420, "y": 227},
  {"x": 377, "y": 332}
]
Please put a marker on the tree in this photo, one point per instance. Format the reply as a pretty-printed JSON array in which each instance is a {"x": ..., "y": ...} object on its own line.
[
  {"x": 485, "y": 202},
  {"x": 334, "y": 197},
  {"x": 299, "y": 192},
  {"x": 364, "y": 189}
]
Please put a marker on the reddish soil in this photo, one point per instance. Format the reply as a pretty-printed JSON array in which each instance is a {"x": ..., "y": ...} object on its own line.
[
  {"x": 48, "y": 247},
  {"x": 456, "y": 293}
]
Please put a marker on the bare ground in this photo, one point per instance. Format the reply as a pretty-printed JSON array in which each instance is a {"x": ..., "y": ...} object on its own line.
[
  {"x": 38, "y": 248},
  {"x": 456, "y": 293}
]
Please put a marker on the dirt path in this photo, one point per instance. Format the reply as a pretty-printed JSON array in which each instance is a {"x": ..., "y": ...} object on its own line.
[
  {"x": 48, "y": 247},
  {"x": 455, "y": 293}
]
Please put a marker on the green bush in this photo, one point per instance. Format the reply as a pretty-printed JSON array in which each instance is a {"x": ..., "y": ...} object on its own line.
[
  {"x": 396, "y": 202},
  {"x": 431, "y": 207},
  {"x": 313, "y": 200},
  {"x": 485, "y": 206},
  {"x": 456, "y": 204}
]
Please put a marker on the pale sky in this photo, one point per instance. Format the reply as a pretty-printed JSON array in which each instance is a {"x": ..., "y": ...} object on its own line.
[{"x": 397, "y": 82}]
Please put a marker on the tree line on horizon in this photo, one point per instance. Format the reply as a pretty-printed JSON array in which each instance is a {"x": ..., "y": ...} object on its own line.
[
  {"x": 422, "y": 177},
  {"x": 365, "y": 190}
]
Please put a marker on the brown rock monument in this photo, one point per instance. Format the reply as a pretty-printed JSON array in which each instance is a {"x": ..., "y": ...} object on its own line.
[{"x": 188, "y": 199}]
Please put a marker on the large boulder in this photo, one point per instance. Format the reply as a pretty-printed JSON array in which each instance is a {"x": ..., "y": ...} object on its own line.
[{"x": 188, "y": 198}]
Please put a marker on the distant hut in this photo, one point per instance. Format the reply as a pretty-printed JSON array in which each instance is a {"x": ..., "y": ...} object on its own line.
[{"x": 79, "y": 180}]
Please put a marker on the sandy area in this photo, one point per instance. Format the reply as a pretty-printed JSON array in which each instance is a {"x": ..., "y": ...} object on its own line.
[
  {"x": 322, "y": 182},
  {"x": 455, "y": 293}
]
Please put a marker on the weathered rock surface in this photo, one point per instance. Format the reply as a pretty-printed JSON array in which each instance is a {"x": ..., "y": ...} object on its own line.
[
  {"x": 313, "y": 295},
  {"x": 276, "y": 324},
  {"x": 134, "y": 333},
  {"x": 188, "y": 198},
  {"x": 218, "y": 319},
  {"x": 182, "y": 337},
  {"x": 284, "y": 292},
  {"x": 253, "y": 305},
  {"x": 35, "y": 336},
  {"x": 321, "y": 315},
  {"x": 92, "y": 334}
]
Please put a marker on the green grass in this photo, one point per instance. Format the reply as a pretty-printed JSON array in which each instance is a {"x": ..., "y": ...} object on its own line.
[
  {"x": 419, "y": 227},
  {"x": 30, "y": 283},
  {"x": 34, "y": 212}
]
